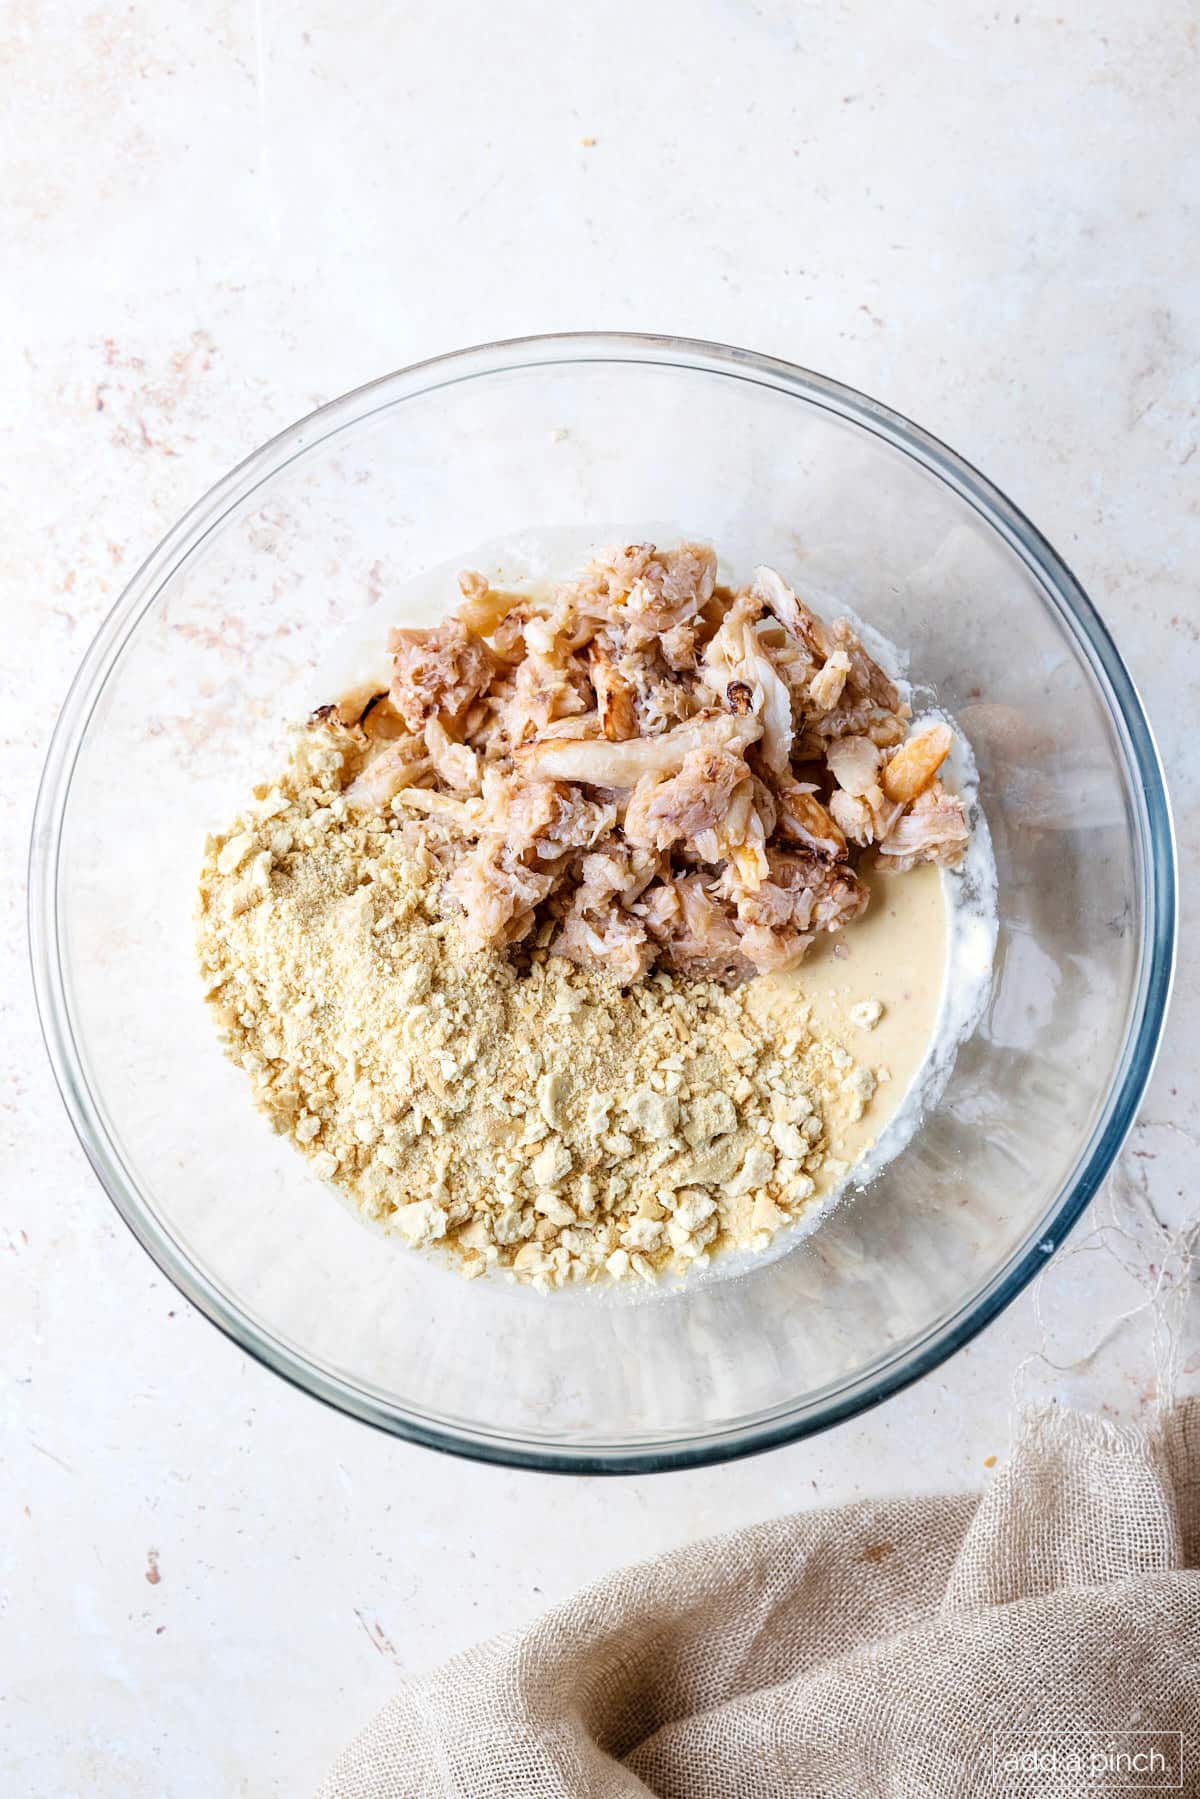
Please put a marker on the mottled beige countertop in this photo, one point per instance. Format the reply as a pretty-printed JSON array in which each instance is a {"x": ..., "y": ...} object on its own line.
[{"x": 216, "y": 216}]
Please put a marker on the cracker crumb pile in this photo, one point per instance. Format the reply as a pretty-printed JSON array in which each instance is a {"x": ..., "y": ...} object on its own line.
[{"x": 514, "y": 1111}]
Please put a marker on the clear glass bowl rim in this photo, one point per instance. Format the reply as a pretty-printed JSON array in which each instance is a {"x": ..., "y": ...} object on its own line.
[{"x": 1155, "y": 848}]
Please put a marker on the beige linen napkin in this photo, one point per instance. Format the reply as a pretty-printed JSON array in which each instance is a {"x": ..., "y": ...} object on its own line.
[{"x": 922, "y": 1647}]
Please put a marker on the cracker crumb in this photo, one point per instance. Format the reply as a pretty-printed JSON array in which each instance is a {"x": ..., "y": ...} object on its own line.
[
  {"x": 511, "y": 1111},
  {"x": 866, "y": 1014}
]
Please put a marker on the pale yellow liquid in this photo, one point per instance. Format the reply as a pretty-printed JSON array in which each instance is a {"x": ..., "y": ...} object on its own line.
[{"x": 894, "y": 953}]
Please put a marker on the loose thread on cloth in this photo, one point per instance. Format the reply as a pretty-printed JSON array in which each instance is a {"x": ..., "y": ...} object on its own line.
[{"x": 1161, "y": 1259}]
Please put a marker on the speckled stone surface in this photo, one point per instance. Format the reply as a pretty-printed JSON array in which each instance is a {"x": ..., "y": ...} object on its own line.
[{"x": 215, "y": 217}]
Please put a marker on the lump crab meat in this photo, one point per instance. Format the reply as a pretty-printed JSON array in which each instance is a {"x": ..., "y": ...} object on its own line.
[{"x": 644, "y": 766}]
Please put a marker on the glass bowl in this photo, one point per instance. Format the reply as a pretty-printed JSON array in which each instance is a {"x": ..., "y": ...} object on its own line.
[{"x": 184, "y": 698}]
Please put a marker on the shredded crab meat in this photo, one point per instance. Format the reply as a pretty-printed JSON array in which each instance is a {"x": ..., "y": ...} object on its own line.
[
  {"x": 455, "y": 763},
  {"x": 616, "y": 698},
  {"x": 602, "y": 764},
  {"x": 644, "y": 766},
  {"x": 689, "y": 804},
  {"x": 854, "y": 764},
  {"x": 438, "y": 673},
  {"x": 400, "y": 764},
  {"x": 933, "y": 829},
  {"x": 737, "y": 668}
]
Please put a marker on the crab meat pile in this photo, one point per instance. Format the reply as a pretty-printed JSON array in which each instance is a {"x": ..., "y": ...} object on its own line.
[{"x": 645, "y": 766}]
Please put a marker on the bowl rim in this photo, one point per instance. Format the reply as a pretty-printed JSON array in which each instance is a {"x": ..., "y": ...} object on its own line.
[{"x": 1154, "y": 853}]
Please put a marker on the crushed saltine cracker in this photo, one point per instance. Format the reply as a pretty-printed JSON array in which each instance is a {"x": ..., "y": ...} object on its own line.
[
  {"x": 866, "y": 1014},
  {"x": 512, "y": 1112}
]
